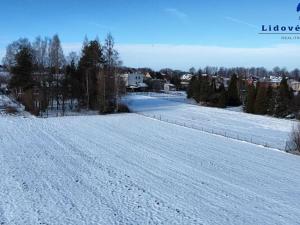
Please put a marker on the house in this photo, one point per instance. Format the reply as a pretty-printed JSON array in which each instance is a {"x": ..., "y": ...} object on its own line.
[
  {"x": 148, "y": 76},
  {"x": 226, "y": 82},
  {"x": 134, "y": 81},
  {"x": 169, "y": 87},
  {"x": 272, "y": 81},
  {"x": 275, "y": 81},
  {"x": 186, "y": 77},
  {"x": 185, "y": 80},
  {"x": 295, "y": 85}
]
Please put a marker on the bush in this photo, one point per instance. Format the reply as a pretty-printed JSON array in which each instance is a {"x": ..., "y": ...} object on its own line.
[
  {"x": 294, "y": 143},
  {"x": 123, "y": 108},
  {"x": 11, "y": 110}
]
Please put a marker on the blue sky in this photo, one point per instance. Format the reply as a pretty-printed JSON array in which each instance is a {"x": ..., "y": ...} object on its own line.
[{"x": 154, "y": 28}]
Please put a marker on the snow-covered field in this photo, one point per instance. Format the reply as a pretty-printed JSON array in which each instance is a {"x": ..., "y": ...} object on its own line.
[
  {"x": 130, "y": 169},
  {"x": 261, "y": 130}
]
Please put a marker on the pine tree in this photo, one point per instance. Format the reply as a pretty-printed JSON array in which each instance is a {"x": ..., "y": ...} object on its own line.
[
  {"x": 271, "y": 100},
  {"x": 190, "y": 89},
  {"x": 233, "y": 92},
  {"x": 283, "y": 99},
  {"x": 89, "y": 66},
  {"x": 222, "y": 98},
  {"x": 261, "y": 102},
  {"x": 196, "y": 86},
  {"x": 205, "y": 90},
  {"x": 22, "y": 72},
  {"x": 250, "y": 99}
]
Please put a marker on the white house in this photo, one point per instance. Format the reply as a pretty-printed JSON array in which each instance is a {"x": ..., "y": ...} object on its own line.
[
  {"x": 134, "y": 80},
  {"x": 186, "y": 77},
  {"x": 169, "y": 87}
]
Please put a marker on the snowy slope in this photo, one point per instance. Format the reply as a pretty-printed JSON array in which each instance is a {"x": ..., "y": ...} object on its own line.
[
  {"x": 252, "y": 128},
  {"x": 6, "y": 101},
  {"x": 129, "y": 169}
]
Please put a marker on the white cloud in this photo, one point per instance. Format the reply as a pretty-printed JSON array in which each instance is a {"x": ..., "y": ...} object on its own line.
[
  {"x": 238, "y": 21},
  {"x": 185, "y": 56},
  {"x": 71, "y": 47},
  {"x": 177, "y": 13}
]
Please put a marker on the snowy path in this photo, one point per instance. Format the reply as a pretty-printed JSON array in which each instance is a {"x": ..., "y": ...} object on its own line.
[
  {"x": 128, "y": 169},
  {"x": 261, "y": 130}
]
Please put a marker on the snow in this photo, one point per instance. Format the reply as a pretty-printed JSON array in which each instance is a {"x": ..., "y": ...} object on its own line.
[
  {"x": 6, "y": 101},
  {"x": 261, "y": 130},
  {"x": 131, "y": 169},
  {"x": 4, "y": 74}
]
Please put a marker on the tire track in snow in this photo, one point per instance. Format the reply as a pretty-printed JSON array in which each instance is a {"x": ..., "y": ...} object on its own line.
[{"x": 128, "y": 186}]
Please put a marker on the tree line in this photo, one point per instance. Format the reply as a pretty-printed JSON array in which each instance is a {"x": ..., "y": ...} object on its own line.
[
  {"x": 260, "y": 98},
  {"x": 205, "y": 90},
  {"x": 44, "y": 79},
  {"x": 264, "y": 99},
  {"x": 258, "y": 72}
]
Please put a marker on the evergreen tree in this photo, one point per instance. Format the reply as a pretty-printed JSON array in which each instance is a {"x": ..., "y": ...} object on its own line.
[
  {"x": 233, "y": 92},
  {"x": 194, "y": 89},
  {"x": 205, "y": 90},
  {"x": 271, "y": 100},
  {"x": 261, "y": 102},
  {"x": 22, "y": 72},
  {"x": 222, "y": 97},
  {"x": 190, "y": 89},
  {"x": 176, "y": 81},
  {"x": 250, "y": 99},
  {"x": 197, "y": 88},
  {"x": 89, "y": 65},
  {"x": 283, "y": 99}
]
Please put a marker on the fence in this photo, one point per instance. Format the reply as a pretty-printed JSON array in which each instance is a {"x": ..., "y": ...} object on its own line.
[
  {"x": 170, "y": 96},
  {"x": 230, "y": 135}
]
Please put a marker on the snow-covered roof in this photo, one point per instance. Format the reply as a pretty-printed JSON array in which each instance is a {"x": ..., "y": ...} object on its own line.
[
  {"x": 186, "y": 77},
  {"x": 142, "y": 85},
  {"x": 170, "y": 85}
]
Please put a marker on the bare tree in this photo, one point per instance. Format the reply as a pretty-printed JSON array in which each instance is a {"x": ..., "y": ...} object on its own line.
[
  {"x": 294, "y": 143},
  {"x": 56, "y": 61},
  {"x": 12, "y": 50},
  {"x": 40, "y": 49},
  {"x": 112, "y": 62}
]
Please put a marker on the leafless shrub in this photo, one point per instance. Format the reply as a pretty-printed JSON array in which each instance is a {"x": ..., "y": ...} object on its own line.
[
  {"x": 123, "y": 108},
  {"x": 11, "y": 110},
  {"x": 294, "y": 143}
]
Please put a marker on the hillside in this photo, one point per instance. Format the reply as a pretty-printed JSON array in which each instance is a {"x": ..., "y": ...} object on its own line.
[
  {"x": 261, "y": 130},
  {"x": 130, "y": 169}
]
